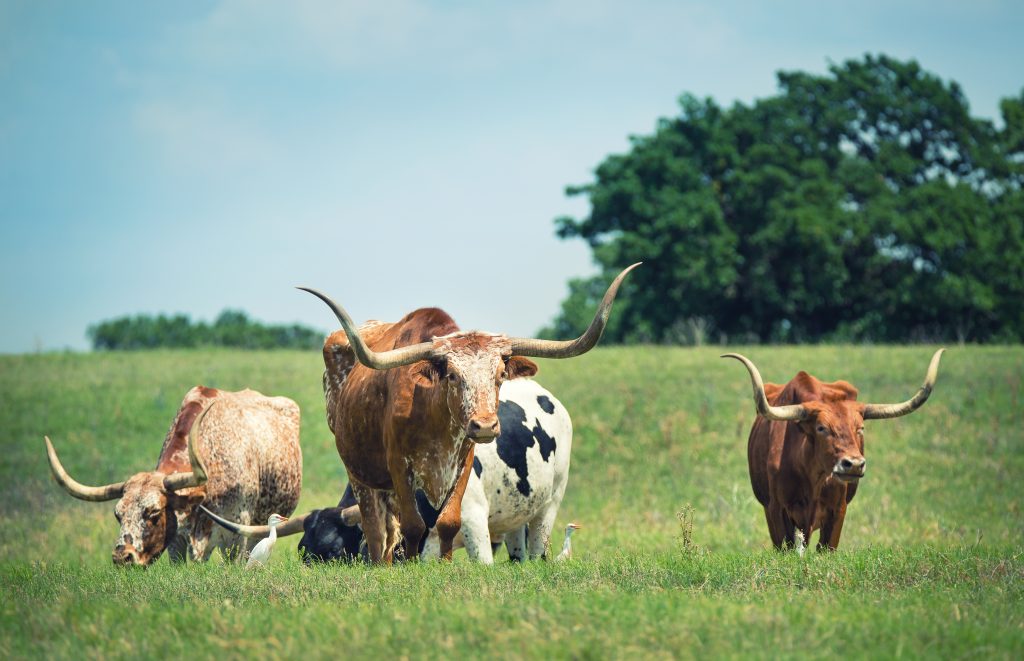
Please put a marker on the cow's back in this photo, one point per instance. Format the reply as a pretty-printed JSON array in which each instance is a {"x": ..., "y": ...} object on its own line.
[
  {"x": 250, "y": 446},
  {"x": 764, "y": 447}
]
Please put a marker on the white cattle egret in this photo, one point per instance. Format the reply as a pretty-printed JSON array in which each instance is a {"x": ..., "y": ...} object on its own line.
[
  {"x": 801, "y": 543},
  {"x": 567, "y": 544},
  {"x": 260, "y": 554}
]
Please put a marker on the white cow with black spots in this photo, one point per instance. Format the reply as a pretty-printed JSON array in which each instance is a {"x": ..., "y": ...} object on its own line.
[{"x": 518, "y": 481}]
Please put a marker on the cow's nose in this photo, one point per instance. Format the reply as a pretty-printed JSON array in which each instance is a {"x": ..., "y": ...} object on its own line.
[
  {"x": 483, "y": 429},
  {"x": 125, "y": 555},
  {"x": 852, "y": 464}
]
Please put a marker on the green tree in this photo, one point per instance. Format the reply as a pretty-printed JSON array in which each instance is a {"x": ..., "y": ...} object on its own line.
[{"x": 862, "y": 204}]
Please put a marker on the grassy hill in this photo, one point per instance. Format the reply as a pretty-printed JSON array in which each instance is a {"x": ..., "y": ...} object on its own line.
[{"x": 930, "y": 560}]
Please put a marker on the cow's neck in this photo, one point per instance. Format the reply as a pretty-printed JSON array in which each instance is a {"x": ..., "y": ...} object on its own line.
[
  {"x": 802, "y": 467},
  {"x": 439, "y": 457},
  {"x": 811, "y": 469}
]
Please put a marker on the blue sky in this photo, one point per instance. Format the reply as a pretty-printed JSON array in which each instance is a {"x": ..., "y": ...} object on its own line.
[{"x": 193, "y": 156}]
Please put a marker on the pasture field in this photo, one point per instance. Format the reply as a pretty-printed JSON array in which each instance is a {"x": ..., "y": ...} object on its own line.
[{"x": 673, "y": 559}]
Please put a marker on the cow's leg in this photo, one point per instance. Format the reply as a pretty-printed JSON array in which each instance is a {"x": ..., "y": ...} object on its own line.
[
  {"x": 831, "y": 529},
  {"x": 475, "y": 534},
  {"x": 450, "y": 520},
  {"x": 779, "y": 526},
  {"x": 199, "y": 547},
  {"x": 373, "y": 513},
  {"x": 412, "y": 525},
  {"x": 515, "y": 542},
  {"x": 832, "y": 522},
  {"x": 394, "y": 537},
  {"x": 177, "y": 550},
  {"x": 540, "y": 532},
  {"x": 432, "y": 547}
]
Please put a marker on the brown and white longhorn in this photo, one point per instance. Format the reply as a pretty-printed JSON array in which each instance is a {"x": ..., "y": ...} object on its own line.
[{"x": 408, "y": 400}]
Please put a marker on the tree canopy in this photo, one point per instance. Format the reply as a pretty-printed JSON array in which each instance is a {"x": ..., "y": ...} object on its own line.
[
  {"x": 864, "y": 204},
  {"x": 233, "y": 328}
]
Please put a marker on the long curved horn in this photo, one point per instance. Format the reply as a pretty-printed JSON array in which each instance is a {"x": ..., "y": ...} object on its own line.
[
  {"x": 382, "y": 360},
  {"x": 582, "y": 344},
  {"x": 80, "y": 491},
  {"x": 351, "y": 515},
  {"x": 197, "y": 475},
  {"x": 290, "y": 527},
  {"x": 879, "y": 411},
  {"x": 788, "y": 413}
]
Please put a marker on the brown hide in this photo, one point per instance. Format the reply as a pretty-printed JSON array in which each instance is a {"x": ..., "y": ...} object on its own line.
[
  {"x": 174, "y": 453},
  {"x": 792, "y": 464},
  {"x": 403, "y": 430}
]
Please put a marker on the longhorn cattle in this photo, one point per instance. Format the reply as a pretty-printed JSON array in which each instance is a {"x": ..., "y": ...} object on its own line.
[
  {"x": 806, "y": 451},
  {"x": 407, "y": 401},
  {"x": 513, "y": 493},
  {"x": 235, "y": 451}
]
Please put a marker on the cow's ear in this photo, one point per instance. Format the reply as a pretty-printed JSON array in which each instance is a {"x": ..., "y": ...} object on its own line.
[
  {"x": 517, "y": 366},
  {"x": 429, "y": 373},
  {"x": 187, "y": 502}
]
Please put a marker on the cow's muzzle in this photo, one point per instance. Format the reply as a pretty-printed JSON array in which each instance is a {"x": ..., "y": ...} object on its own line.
[
  {"x": 483, "y": 430},
  {"x": 126, "y": 556},
  {"x": 849, "y": 469}
]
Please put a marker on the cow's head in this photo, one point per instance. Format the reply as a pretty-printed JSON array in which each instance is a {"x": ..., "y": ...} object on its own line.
[
  {"x": 471, "y": 366},
  {"x": 149, "y": 504},
  {"x": 833, "y": 420}
]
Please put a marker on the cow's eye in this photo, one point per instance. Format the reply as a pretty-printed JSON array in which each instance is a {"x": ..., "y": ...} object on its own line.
[
  {"x": 860, "y": 432},
  {"x": 451, "y": 377},
  {"x": 822, "y": 429},
  {"x": 117, "y": 515}
]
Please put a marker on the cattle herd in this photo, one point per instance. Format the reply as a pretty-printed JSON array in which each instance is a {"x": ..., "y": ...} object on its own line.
[{"x": 448, "y": 443}]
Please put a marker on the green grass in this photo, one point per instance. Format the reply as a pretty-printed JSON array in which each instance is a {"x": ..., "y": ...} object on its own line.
[{"x": 931, "y": 561}]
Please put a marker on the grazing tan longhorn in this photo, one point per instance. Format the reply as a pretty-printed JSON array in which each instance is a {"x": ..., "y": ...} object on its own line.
[{"x": 238, "y": 452}]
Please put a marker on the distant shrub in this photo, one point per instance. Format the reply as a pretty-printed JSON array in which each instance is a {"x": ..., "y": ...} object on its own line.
[{"x": 233, "y": 328}]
